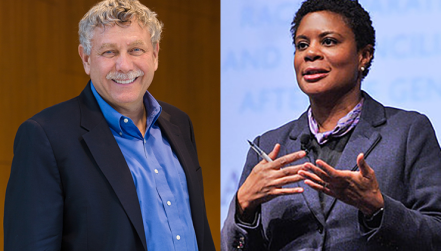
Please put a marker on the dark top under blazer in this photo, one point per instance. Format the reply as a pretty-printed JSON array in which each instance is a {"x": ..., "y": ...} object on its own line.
[
  {"x": 71, "y": 189},
  {"x": 402, "y": 149}
]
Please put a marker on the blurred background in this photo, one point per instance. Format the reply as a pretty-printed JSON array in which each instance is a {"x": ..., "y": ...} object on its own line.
[
  {"x": 258, "y": 88},
  {"x": 41, "y": 67}
]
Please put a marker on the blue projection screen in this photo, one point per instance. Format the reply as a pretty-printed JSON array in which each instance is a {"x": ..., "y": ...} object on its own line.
[{"x": 259, "y": 90}]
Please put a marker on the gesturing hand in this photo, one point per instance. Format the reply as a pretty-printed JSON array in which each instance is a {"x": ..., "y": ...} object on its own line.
[
  {"x": 356, "y": 188},
  {"x": 266, "y": 180}
]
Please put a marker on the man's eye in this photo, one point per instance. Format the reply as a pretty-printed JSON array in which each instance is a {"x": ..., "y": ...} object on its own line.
[
  {"x": 137, "y": 51},
  {"x": 301, "y": 45},
  {"x": 108, "y": 53}
]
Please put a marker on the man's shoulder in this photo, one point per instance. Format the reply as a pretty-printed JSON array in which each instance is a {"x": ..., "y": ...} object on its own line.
[
  {"x": 169, "y": 108},
  {"x": 60, "y": 113},
  {"x": 172, "y": 111}
]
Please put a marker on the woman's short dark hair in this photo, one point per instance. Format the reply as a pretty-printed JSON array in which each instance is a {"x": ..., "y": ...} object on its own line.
[{"x": 353, "y": 14}]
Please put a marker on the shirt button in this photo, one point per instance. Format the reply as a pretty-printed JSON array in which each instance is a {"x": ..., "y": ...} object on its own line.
[
  {"x": 156, "y": 171},
  {"x": 169, "y": 203},
  {"x": 178, "y": 237},
  {"x": 126, "y": 120},
  {"x": 145, "y": 141},
  {"x": 120, "y": 133}
]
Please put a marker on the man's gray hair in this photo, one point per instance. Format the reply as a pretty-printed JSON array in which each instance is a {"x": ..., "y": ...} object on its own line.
[{"x": 117, "y": 12}]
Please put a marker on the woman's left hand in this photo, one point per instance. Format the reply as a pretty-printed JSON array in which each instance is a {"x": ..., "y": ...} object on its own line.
[{"x": 356, "y": 188}]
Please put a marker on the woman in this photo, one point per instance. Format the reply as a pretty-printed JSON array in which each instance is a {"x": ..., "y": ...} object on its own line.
[{"x": 360, "y": 176}]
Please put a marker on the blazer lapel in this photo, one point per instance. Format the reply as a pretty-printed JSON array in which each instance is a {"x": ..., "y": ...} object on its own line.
[
  {"x": 180, "y": 147},
  {"x": 109, "y": 158},
  {"x": 363, "y": 140},
  {"x": 178, "y": 144},
  {"x": 294, "y": 144}
]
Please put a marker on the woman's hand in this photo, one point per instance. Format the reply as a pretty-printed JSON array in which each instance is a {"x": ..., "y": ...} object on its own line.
[
  {"x": 266, "y": 180},
  {"x": 356, "y": 188}
]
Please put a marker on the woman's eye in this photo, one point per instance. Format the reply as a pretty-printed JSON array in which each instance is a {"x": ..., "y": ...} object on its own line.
[
  {"x": 329, "y": 41},
  {"x": 301, "y": 45}
]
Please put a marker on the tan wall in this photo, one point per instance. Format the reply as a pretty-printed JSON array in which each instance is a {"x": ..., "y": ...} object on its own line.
[{"x": 40, "y": 67}]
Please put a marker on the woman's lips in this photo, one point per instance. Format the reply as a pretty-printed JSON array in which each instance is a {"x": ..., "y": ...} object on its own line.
[
  {"x": 315, "y": 76},
  {"x": 312, "y": 74}
]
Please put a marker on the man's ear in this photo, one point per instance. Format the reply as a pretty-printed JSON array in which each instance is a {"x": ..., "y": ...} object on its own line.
[
  {"x": 85, "y": 59},
  {"x": 156, "y": 54}
]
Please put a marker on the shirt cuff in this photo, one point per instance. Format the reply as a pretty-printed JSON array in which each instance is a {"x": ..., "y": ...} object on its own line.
[
  {"x": 249, "y": 224},
  {"x": 372, "y": 222}
]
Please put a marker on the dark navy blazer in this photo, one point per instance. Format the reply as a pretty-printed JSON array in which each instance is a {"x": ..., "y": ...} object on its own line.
[
  {"x": 400, "y": 146},
  {"x": 71, "y": 189}
]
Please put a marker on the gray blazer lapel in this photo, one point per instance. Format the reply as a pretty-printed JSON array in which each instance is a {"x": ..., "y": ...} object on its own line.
[
  {"x": 363, "y": 139},
  {"x": 294, "y": 144},
  {"x": 109, "y": 158}
]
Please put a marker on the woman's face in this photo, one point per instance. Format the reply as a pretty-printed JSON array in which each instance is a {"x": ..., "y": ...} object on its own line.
[{"x": 326, "y": 60}]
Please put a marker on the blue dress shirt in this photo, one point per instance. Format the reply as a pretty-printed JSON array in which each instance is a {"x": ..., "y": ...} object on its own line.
[{"x": 159, "y": 178}]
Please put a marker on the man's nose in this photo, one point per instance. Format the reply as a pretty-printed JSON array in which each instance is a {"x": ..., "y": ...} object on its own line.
[{"x": 124, "y": 63}]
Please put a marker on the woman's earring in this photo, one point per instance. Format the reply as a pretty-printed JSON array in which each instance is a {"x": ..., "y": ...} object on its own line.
[{"x": 362, "y": 68}]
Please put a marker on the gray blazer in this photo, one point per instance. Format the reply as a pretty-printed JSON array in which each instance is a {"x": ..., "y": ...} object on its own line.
[{"x": 400, "y": 146}]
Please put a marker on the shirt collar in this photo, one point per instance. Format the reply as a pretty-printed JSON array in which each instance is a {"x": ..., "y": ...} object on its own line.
[{"x": 115, "y": 119}]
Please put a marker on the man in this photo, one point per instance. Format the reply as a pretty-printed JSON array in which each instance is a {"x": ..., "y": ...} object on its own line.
[{"x": 112, "y": 169}]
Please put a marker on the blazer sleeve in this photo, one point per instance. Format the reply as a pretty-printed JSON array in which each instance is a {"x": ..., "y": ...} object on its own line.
[
  {"x": 414, "y": 223},
  {"x": 33, "y": 216},
  {"x": 236, "y": 235}
]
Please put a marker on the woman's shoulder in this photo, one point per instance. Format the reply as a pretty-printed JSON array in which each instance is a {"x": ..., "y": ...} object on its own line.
[
  {"x": 289, "y": 129},
  {"x": 399, "y": 116},
  {"x": 378, "y": 113}
]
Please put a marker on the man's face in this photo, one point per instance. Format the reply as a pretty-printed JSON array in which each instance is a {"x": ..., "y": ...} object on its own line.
[{"x": 121, "y": 64}]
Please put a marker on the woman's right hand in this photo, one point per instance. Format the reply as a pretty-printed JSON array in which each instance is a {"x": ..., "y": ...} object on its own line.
[{"x": 266, "y": 180}]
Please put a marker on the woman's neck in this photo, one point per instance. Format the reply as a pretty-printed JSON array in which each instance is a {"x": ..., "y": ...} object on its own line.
[{"x": 327, "y": 112}]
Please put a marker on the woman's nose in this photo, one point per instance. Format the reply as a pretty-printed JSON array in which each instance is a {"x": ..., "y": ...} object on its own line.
[{"x": 313, "y": 52}]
